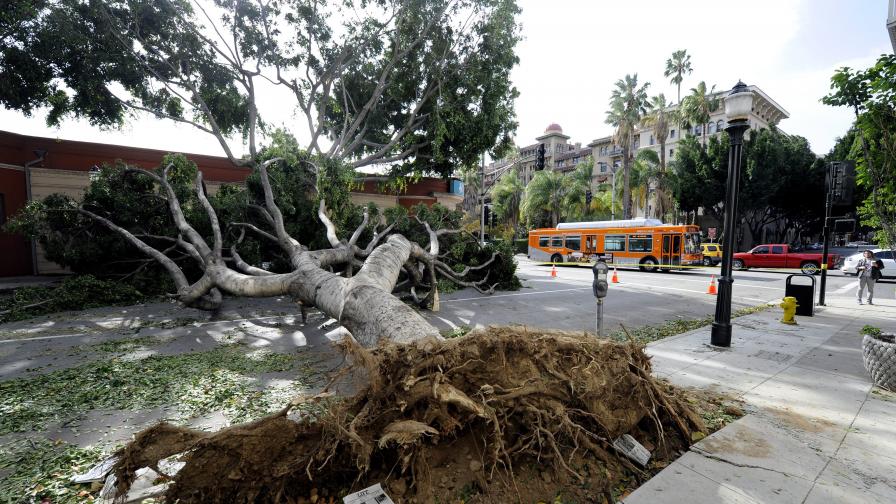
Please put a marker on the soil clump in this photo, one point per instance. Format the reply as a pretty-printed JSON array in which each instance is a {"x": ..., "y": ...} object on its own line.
[{"x": 501, "y": 415}]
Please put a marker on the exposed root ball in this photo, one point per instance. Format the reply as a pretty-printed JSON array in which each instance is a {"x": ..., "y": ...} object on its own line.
[{"x": 505, "y": 414}]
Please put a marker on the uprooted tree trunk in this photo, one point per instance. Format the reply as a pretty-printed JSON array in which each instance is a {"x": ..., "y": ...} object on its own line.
[{"x": 361, "y": 301}]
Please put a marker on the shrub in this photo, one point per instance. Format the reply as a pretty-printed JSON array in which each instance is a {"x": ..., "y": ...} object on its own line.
[
  {"x": 871, "y": 331},
  {"x": 75, "y": 293}
]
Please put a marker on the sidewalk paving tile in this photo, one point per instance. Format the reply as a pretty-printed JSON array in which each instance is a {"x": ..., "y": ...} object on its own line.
[
  {"x": 755, "y": 442},
  {"x": 737, "y": 373},
  {"x": 760, "y": 484},
  {"x": 843, "y": 484},
  {"x": 874, "y": 428},
  {"x": 678, "y": 483},
  {"x": 816, "y": 395},
  {"x": 818, "y": 434}
]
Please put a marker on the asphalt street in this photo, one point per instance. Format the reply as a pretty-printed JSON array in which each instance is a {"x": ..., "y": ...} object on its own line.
[{"x": 640, "y": 298}]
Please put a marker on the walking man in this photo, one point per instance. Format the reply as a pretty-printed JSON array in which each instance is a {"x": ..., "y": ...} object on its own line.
[{"x": 868, "y": 273}]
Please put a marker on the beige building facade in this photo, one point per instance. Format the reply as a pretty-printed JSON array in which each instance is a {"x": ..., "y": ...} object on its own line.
[{"x": 563, "y": 156}]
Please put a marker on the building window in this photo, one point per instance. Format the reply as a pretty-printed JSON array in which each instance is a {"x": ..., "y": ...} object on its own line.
[
  {"x": 614, "y": 243},
  {"x": 720, "y": 126},
  {"x": 672, "y": 134},
  {"x": 671, "y": 152},
  {"x": 698, "y": 130},
  {"x": 651, "y": 140},
  {"x": 711, "y": 129}
]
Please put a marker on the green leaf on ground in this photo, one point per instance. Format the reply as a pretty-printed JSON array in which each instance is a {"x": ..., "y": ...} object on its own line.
[{"x": 223, "y": 379}]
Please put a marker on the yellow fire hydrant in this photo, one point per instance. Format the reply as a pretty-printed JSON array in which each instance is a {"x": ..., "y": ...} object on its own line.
[{"x": 789, "y": 305}]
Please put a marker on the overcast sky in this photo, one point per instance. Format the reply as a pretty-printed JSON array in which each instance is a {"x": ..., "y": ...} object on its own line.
[{"x": 574, "y": 50}]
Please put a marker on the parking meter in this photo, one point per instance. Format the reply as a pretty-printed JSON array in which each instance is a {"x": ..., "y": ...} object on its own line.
[{"x": 599, "y": 287}]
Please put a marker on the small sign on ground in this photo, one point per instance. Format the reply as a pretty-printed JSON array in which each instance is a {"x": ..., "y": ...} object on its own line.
[
  {"x": 370, "y": 495},
  {"x": 632, "y": 449}
]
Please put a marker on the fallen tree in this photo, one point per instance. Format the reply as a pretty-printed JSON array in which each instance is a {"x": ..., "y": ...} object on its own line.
[
  {"x": 502, "y": 415},
  {"x": 361, "y": 300},
  {"x": 421, "y": 87}
]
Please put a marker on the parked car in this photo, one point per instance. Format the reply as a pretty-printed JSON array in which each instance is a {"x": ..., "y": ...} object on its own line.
[
  {"x": 815, "y": 246},
  {"x": 857, "y": 244},
  {"x": 712, "y": 253},
  {"x": 779, "y": 255},
  {"x": 887, "y": 257}
]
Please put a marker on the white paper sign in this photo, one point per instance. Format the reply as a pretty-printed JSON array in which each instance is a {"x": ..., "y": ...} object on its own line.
[
  {"x": 632, "y": 449},
  {"x": 370, "y": 495}
]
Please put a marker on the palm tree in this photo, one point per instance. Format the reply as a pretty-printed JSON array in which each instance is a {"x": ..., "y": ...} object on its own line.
[
  {"x": 658, "y": 118},
  {"x": 545, "y": 193},
  {"x": 628, "y": 104},
  {"x": 645, "y": 171},
  {"x": 507, "y": 195},
  {"x": 699, "y": 106},
  {"x": 676, "y": 68},
  {"x": 471, "y": 176},
  {"x": 577, "y": 183}
]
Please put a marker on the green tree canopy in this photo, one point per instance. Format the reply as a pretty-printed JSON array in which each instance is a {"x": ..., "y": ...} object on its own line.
[
  {"x": 871, "y": 94},
  {"x": 421, "y": 85}
]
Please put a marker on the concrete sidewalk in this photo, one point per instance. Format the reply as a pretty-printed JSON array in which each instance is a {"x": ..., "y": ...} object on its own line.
[{"x": 816, "y": 430}]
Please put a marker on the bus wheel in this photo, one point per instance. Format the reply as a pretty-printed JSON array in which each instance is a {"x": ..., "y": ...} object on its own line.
[
  {"x": 556, "y": 258},
  {"x": 648, "y": 264}
]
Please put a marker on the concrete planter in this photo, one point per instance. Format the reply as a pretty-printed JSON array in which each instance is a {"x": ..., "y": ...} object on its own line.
[{"x": 879, "y": 357}]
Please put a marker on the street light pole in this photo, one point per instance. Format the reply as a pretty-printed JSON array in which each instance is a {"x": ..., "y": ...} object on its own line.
[{"x": 738, "y": 105}]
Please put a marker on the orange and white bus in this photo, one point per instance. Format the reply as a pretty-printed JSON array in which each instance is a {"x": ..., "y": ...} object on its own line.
[{"x": 644, "y": 243}]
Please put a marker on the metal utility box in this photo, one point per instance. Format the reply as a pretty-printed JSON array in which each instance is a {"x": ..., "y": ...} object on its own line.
[{"x": 804, "y": 294}]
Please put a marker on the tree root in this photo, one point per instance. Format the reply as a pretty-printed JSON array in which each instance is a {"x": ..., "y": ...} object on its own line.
[{"x": 519, "y": 415}]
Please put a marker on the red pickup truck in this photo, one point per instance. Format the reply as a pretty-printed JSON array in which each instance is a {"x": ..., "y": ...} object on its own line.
[{"x": 778, "y": 255}]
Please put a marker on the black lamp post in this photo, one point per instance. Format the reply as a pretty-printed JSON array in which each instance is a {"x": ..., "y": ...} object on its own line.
[{"x": 738, "y": 105}]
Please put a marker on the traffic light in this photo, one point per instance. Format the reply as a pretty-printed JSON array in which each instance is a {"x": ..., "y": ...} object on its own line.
[
  {"x": 841, "y": 182},
  {"x": 539, "y": 158},
  {"x": 494, "y": 218},
  {"x": 588, "y": 197},
  {"x": 487, "y": 213}
]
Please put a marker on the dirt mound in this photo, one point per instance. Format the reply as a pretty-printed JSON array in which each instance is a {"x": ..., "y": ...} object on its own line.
[{"x": 503, "y": 415}]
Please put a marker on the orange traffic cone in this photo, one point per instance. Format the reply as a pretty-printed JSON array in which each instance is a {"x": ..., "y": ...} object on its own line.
[
  {"x": 553, "y": 271},
  {"x": 712, "y": 286},
  {"x": 615, "y": 276}
]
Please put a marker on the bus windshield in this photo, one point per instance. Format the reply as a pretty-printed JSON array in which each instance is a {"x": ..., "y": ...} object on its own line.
[{"x": 692, "y": 243}]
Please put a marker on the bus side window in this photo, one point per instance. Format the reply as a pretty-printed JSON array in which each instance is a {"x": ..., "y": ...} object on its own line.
[
  {"x": 614, "y": 243},
  {"x": 574, "y": 242},
  {"x": 640, "y": 244},
  {"x": 544, "y": 241},
  {"x": 556, "y": 241}
]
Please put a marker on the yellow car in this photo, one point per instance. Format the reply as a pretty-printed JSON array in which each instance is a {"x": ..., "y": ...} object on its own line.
[{"x": 712, "y": 253}]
